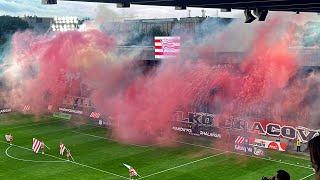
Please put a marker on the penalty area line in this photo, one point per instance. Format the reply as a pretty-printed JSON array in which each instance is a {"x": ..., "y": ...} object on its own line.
[
  {"x": 79, "y": 164},
  {"x": 29, "y": 160},
  {"x": 185, "y": 164}
]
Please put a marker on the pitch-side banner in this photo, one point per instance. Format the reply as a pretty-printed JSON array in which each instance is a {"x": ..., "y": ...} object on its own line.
[
  {"x": 166, "y": 47},
  {"x": 249, "y": 149},
  {"x": 279, "y": 146},
  {"x": 70, "y": 110},
  {"x": 242, "y": 141},
  {"x": 5, "y": 110},
  {"x": 195, "y": 129},
  {"x": 236, "y": 125}
]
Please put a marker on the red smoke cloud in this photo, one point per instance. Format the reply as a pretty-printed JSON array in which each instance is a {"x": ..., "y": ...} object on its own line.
[
  {"x": 40, "y": 65},
  {"x": 142, "y": 106},
  {"x": 145, "y": 106}
]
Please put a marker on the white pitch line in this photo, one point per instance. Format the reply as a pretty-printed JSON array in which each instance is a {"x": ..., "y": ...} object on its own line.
[
  {"x": 192, "y": 162},
  {"x": 244, "y": 155},
  {"x": 307, "y": 176},
  {"x": 298, "y": 157},
  {"x": 90, "y": 167},
  {"x": 28, "y": 160},
  {"x": 100, "y": 137},
  {"x": 83, "y": 165}
]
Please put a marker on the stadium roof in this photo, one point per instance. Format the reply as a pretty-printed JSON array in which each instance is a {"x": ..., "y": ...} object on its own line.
[{"x": 271, "y": 5}]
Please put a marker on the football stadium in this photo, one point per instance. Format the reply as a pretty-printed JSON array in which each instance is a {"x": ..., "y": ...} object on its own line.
[{"x": 133, "y": 89}]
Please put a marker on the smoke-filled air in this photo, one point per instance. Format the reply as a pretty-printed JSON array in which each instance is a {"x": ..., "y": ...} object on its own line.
[{"x": 262, "y": 82}]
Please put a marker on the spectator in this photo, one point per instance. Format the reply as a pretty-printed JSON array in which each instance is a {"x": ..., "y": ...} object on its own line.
[
  {"x": 298, "y": 145},
  {"x": 281, "y": 175},
  {"x": 314, "y": 149}
]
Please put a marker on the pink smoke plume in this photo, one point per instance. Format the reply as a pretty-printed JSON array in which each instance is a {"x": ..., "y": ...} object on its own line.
[
  {"x": 142, "y": 106},
  {"x": 39, "y": 65}
]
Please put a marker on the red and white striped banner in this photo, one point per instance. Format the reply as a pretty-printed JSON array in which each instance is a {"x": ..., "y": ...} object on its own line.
[
  {"x": 240, "y": 140},
  {"x": 62, "y": 149},
  {"x": 36, "y": 145},
  {"x": 166, "y": 46},
  {"x": 26, "y": 108},
  {"x": 95, "y": 115}
]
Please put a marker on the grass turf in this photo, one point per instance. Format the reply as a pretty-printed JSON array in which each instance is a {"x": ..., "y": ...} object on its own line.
[{"x": 97, "y": 157}]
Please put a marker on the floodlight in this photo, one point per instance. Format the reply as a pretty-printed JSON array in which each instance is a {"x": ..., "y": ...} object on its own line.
[
  {"x": 123, "y": 5},
  {"x": 181, "y": 7},
  {"x": 225, "y": 10},
  {"x": 46, "y": 2}
]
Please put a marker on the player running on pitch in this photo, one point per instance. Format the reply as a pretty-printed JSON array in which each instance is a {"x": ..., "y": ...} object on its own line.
[
  {"x": 132, "y": 173},
  {"x": 9, "y": 138},
  {"x": 69, "y": 156},
  {"x": 42, "y": 147}
]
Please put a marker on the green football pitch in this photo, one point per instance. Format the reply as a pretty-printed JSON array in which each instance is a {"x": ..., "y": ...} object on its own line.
[{"x": 99, "y": 157}]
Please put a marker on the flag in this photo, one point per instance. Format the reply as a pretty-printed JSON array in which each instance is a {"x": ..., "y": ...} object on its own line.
[
  {"x": 26, "y": 108},
  {"x": 244, "y": 140},
  {"x": 127, "y": 166},
  {"x": 239, "y": 140},
  {"x": 166, "y": 46},
  {"x": 95, "y": 115},
  {"x": 62, "y": 148},
  {"x": 36, "y": 145}
]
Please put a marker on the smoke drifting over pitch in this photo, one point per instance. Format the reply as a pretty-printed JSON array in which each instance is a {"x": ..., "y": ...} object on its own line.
[{"x": 264, "y": 84}]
